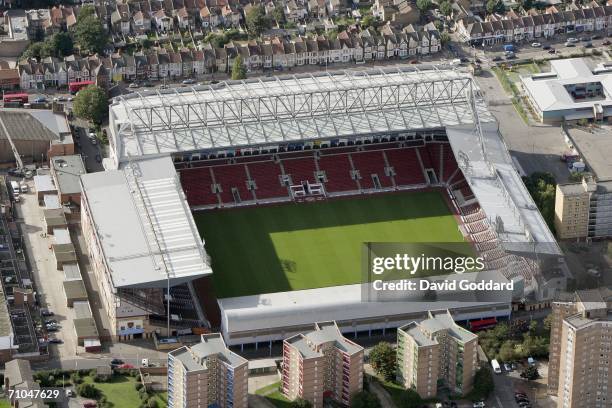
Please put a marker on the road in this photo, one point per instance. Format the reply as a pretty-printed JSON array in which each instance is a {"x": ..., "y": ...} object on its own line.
[
  {"x": 526, "y": 51},
  {"x": 536, "y": 147}
]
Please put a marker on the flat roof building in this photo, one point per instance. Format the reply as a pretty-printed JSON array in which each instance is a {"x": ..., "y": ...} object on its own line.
[
  {"x": 320, "y": 364},
  {"x": 580, "y": 355},
  {"x": 163, "y": 247},
  {"x": 66, "y": 172},
  {"x": 571, "y": 91},
  {"x": 584, "y": 209},
  {"x": 207, "y": 374},
  {"x": 436, "y": 350}
]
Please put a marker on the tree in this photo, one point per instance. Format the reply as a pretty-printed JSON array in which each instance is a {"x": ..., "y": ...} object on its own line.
[
  {"x": 62, "y": 43},
  {"x": 278, "y": 15},
  {"x": 548, "y": 321},
  {"x": 507, "y": 351},
  {"x": 542, "y": 186},
  {"x": 368, "y": 21},
  {"x": 383, "y": 360},
  {"x": 300, "y": 403},
  {"x": 410, "y": 399},
  {"x": 238, "y": 69},
  {"x": 495, "y": 6},
  {"x": 423, "y": 5},
  {"x": 444, "y": 37},
  {"x": 87, "y": 390},
  {"x": 364, "y": 399},
  {"x": 530, "y": 373},
  {"x": 256, "y": 20},
  {"x": 91, "y": 104},
  {"x": 446, "y": 8},
  {"x": 90, "y": 34},
  {"x": 483, "y": 384}
]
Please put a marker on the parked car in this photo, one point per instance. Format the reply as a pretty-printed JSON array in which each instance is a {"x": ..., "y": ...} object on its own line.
[
  {"x": 552, "y": 51},
  {"x": 497, "y": 58},
  {"x": 479, "y": 404},
  {"x": 569, "y": 44},
  {"x": 546, "y": 47},
  {"x": 588, "y": 45},
  {"x": 94, "y": 141},
  {"x": 52, "y": 328},
  {"x": 164, "y": 86},
  {"x": 40, "y": 99},
  {"x": 606, "y": 42},
  {"x": 126, "y": 366},
  {"x": 116, "y": 362},
  {"x": 133, "y": 85},
  {"x": 147, "y": 84},
  {"x": 51, "y": 321},
  {"x": 90, "y": 404},
  {"x": 572, "y": 40},
  {"x": 46, "y": 312},
  {"x": 189, "y": 81},
  {"x": 507, "y": 367},
  {"x": 536, "y": 45},
  {"x": 585, "y": 39},
  {"x": 55, "y": 340},
  {"x": 145, "y": 362}
]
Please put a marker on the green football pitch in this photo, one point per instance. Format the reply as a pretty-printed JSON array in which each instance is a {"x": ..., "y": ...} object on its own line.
[{"x": 311, "y": 245}]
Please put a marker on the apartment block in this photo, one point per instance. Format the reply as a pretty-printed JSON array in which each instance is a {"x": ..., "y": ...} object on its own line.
[
  {"x": 207, "y": 375},
  {"x": 572, "y": 210},
  {"x": 434, "y": 350},
  {"x": 583, "y": 353},
  {"x": 322, "y": 364}
]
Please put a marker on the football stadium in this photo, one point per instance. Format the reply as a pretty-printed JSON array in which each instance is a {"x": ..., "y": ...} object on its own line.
[{"x": 286, "y": 178}]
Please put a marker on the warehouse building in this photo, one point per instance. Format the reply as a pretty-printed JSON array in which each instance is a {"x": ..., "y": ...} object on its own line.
[
  {"x": 571, "y": 91},
  {"x": 36, "y": 133},
  {"x": 66, "y": 172}
]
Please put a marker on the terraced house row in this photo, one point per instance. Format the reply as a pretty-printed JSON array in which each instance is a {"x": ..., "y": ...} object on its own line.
[
  {"x": 533, "y": 24},
  {"x": 276, "y": 53}
]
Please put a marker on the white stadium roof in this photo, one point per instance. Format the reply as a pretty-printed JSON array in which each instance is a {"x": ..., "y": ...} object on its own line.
[
  {"x": 275, "y": 314},
  {"x": 484, "y": 159},
  {"x": 291, "y": 108},
  {"x": 144, "y": 225}
]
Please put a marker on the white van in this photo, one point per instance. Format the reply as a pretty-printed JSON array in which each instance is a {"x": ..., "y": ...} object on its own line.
[
  {"x": 496, "y": 367},
  {"x": 16, "y": 190},
  {"x": 23, "y": 187}
]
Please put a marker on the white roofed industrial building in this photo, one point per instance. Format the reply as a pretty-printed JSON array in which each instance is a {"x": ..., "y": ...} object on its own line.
[{"x": 571, "y": 91}]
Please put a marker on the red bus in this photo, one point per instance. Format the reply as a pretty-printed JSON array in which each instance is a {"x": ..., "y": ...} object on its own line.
[
  {"x": 482, "y": 324},
  {"x": 75, "y": 87},
  {"x": 15, "y": 98}
]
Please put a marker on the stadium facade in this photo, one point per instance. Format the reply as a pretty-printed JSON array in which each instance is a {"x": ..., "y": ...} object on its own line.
[{"x": 262, "y": 141}]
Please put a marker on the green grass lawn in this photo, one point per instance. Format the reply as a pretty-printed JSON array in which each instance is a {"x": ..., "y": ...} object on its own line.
[
  {"x": 312, "y": 245},
  {"x": 120, "y": 392},
  {"x": 278, "y": 400}
]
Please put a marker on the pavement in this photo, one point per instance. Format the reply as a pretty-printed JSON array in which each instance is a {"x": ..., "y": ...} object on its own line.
[{"x": 48, "y": 278}]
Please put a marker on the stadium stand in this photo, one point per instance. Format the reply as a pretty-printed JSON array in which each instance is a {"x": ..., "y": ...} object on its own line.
[
  {"x": 337, "y": 168},
  {"x": 233, "y": 182},
  {"x": 406, "y": 165},
  {"x": 301, "y": 169},
  {"x": 371, "y": 166},
  {"x": 266, "y": 175},
  {"x": 197, "y": 184}
]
